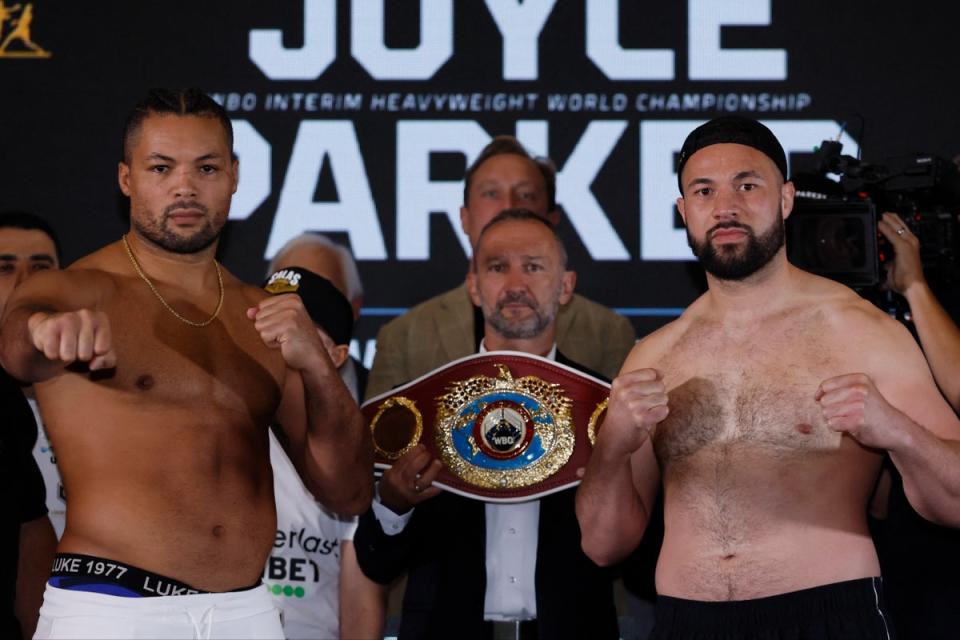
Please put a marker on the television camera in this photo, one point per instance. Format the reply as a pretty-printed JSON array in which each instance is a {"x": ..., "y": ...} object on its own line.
[{"x": 833, "y": 228}]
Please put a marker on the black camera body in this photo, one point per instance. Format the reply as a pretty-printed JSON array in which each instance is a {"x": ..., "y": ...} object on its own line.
[
  {"x": 833, "y": 228},
  {"x": 835, "y": 237}
]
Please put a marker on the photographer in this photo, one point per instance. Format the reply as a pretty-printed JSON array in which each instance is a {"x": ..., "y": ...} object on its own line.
[{"x": 939, "y": 335}]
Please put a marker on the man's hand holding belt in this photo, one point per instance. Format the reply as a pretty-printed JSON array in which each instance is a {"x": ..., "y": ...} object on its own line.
[{"x": 410, "y": 480}]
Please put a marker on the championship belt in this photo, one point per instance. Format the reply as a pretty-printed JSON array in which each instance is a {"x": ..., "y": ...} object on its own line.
[{"x": 508, "y": 426}]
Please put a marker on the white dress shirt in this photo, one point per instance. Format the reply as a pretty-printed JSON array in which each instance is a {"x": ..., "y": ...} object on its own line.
[{"x": 511, "y": 551}]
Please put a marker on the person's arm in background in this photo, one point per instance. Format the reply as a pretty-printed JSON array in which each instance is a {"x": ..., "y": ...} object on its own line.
[
  {"x": 363, "y": 602},
  {"x": 38, "y": 543},
  {"x": 939, "y": 334},
  {"x": 387, "y": 534}
]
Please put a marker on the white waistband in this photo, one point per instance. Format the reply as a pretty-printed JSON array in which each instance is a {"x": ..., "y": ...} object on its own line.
[{"x": 234, "y": 604}]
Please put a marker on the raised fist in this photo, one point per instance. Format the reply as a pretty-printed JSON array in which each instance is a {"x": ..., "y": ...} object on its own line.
[
  {"x": 283, "y": 323},
  {"x": 638, "y": 401},
  {"x": 73, "y": 336},
  {"x": 852, "y": 404}
]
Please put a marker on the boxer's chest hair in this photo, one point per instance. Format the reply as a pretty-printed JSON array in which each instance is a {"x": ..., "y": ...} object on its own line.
[
  {"x": 755, "y": 391},
  {"x": 744, "y": 430}
]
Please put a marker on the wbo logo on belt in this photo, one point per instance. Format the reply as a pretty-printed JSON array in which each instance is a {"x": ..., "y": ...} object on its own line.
[
  {"x": 507, "y": 426},
  {"x": 501, "y": 432}
]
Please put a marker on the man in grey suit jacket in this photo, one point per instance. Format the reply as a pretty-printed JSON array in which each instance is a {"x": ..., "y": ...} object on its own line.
[{"x": 446, "y": 327}]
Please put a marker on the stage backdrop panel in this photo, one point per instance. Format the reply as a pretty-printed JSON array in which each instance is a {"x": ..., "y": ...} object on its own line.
[{"x": 358, "y": 118}]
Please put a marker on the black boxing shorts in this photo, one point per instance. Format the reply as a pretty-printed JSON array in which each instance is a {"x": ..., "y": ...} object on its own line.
[{"x": 852, "y": 610}]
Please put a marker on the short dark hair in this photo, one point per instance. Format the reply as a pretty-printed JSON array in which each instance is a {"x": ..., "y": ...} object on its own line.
[
  {"x": 508, "y": 144},
  {"x": 29, "y": 222},
  {"x": 179, "y": 102},
  {"x": 521, "y": 214}
]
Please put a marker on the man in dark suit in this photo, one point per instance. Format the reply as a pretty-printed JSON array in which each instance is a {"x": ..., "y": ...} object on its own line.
[{"x": 478, "y": 569}]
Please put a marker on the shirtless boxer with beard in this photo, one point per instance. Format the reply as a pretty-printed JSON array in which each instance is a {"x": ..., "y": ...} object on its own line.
[{"x": 765, "y": 411}]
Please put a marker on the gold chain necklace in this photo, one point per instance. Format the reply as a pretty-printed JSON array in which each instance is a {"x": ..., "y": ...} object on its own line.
[{"x": 136, "y": 266}]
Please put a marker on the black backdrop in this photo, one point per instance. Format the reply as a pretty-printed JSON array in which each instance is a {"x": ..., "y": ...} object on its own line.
[{"x": 356, "y": 164}]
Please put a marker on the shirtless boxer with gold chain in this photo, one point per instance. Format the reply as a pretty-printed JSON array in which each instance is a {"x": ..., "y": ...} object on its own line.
[
  {"x": 157, "y": 374},
  {"x": 765, "y": 410}
]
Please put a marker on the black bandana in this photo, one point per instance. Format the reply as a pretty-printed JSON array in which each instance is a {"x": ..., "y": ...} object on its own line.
[{"x": 736, "y": 130}]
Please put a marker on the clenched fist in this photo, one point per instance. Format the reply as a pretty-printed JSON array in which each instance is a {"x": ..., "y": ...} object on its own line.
[
  {"x": 852, "y": 404},
  {"x": 638, "y": 401},
  {"x": 283, "y": 323},
  {"x": 73, "y": 336}
]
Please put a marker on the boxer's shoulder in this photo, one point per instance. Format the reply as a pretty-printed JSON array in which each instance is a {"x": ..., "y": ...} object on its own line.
[{"x": 242, "y": 293}]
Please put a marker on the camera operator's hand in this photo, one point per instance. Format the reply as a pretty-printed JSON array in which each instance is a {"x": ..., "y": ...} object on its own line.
[
  {"x": 939, "y": 335},
  {"x": 904, "y": 270}
]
